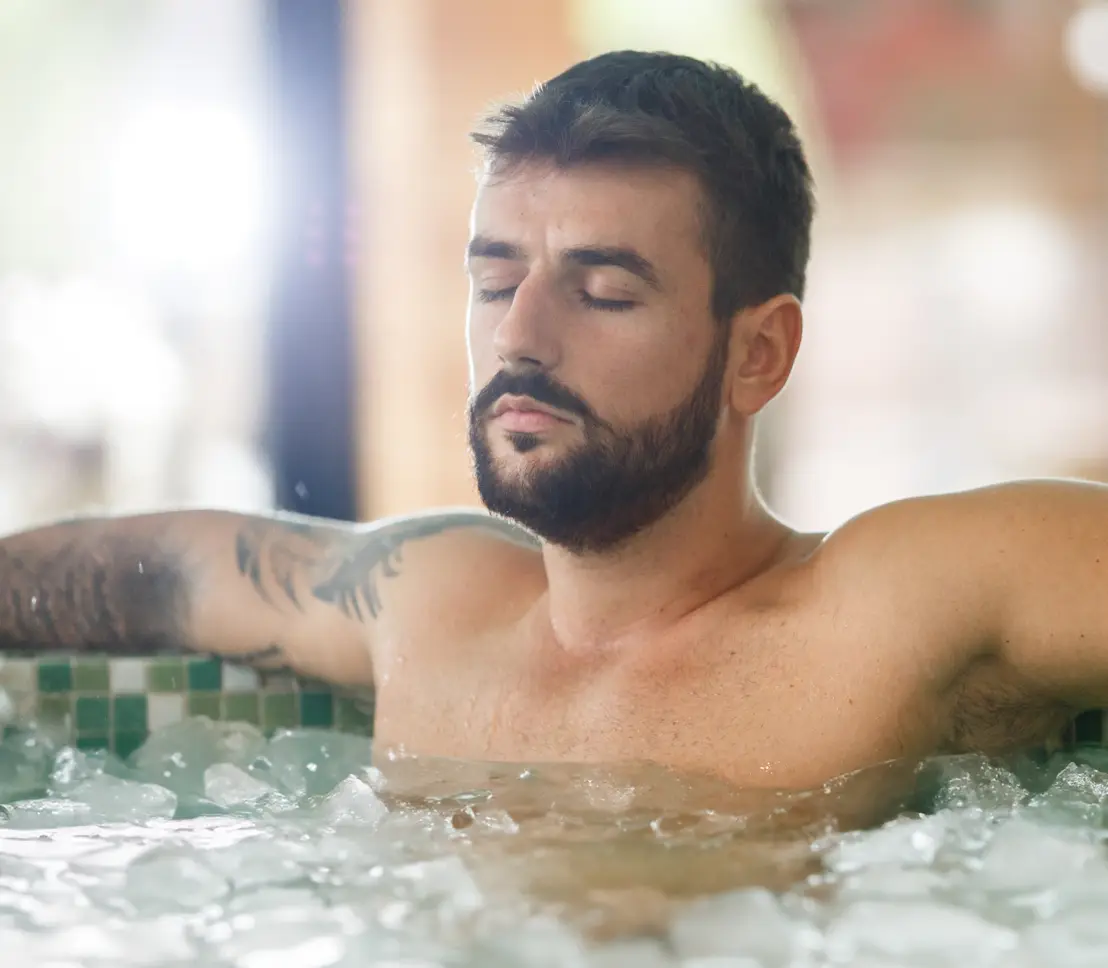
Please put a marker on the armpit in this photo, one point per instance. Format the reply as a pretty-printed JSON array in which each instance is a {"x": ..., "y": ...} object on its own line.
[{"x": 993, "y": 710}]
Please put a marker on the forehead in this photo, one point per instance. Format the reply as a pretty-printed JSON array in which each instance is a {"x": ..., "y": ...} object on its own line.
[{"x": 655, "y": 210}]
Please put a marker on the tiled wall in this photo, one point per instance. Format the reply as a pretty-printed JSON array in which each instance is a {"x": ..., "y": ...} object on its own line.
[{"x": 115, "y": 703}]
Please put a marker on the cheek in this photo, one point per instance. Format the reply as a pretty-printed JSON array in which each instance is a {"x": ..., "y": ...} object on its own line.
[{"x": 648, "y": 378}]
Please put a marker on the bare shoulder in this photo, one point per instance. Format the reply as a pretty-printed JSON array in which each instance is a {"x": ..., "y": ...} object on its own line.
[
  {"x": 978, "y": 526},
  {"x": 459, "y": 555},
  {"x": 917, "y": 571},
  {"x": 940, "y": 568}
]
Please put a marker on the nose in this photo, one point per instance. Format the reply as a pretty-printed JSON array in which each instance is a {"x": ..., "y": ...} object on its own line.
[{"x": 526, "y": 334}]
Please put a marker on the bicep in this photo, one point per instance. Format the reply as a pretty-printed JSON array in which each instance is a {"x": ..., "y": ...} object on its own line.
[{"x": 1053, "y": 574}]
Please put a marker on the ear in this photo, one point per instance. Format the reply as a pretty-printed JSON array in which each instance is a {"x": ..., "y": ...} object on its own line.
[{"x": 765, "y": 341}]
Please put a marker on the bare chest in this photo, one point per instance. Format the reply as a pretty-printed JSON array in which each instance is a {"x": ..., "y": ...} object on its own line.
[{"x": 774, "y": 706}]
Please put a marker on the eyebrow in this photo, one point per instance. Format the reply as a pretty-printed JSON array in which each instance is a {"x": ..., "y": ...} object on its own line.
[{"x": 483, "y": 247}]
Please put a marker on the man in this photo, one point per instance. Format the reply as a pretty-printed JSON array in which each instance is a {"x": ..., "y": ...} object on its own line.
[{"x": 637, "y": 261}]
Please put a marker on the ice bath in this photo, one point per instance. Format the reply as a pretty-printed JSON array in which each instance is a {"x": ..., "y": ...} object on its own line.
[{"x": 212, "y": 845}]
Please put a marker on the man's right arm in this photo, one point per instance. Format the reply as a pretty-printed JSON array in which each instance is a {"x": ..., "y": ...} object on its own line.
[{"x": 274, "y": 592}]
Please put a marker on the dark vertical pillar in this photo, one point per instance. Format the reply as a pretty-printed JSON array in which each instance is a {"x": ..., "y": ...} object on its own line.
[{"x": 310, "y": 424}]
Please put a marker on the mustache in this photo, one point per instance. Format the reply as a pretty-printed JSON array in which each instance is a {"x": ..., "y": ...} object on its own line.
[{"x": 534, "y": 384}]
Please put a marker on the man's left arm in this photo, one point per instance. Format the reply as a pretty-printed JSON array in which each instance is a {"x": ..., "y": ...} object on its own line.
[{"x": 1046, "y": 544}]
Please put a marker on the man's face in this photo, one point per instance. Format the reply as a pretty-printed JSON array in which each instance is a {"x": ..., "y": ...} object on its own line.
[{"x": 596, "y": 366}]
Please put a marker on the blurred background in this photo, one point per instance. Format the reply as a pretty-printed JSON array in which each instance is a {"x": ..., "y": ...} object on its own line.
[{"x": 231, "y": 237}]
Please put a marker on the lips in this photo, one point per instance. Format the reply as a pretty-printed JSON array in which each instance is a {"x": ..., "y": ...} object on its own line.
[{"x": 510, "y": 405}]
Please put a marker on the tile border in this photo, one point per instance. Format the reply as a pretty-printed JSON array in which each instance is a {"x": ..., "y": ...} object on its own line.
[{"x": 108, "y": 702}]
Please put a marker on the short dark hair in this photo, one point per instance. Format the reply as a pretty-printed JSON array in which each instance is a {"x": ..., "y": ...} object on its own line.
[{"x": 659, "y": 108}]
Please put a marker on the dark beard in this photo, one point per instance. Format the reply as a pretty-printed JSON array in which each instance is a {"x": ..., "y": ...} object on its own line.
[{"x": 615, "y": 484}]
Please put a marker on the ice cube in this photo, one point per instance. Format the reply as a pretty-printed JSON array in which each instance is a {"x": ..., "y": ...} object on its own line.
[
  {"x": 73, "y": 767},
  {"x": 972, "y": 780},
  {"x": 177, "y": 756},
  {"x": 907, "y": 931},
  {"x": 310, "y": 762},
  {"x": 913, "y": 841},
  {"x": 258, "y": 863},
  {"x": 318, "y": 952},
  {"x": 110, "y": 800},
  {"x": 892, "y": 880},
  {"x": 352, "y": 801},
  {"x": 749, "y": 923},
  {"x": 1078, "y": 795},
  {"x": 538, "y": 942},
  {"x": 1077, "y": 938},
  {"x": 1027, "y": 857},
  {"x": 25, "y": 761},
  {"x": 44, "y": 812},
  {"x": 229, "y": 786},
  {"x": 444, "y": 877},
  {"x": 639, "y": 953},
  {"x": 172, "y": 880}
]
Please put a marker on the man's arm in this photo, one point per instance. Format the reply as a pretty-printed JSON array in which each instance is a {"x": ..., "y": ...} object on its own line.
[
  {"x": 1049, "y": 573},
  {"x": 275, "y": 592}
]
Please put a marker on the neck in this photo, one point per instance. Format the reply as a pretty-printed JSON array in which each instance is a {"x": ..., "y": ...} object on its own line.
[{"x": 718, "y": 538}]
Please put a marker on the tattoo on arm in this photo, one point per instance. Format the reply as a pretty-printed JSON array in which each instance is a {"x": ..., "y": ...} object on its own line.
[
  {"x": 92, "y": 592},
  {"x": 286, "y": 560}
]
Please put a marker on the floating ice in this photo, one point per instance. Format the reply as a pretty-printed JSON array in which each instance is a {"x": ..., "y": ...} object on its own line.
[
  {"x": 1026, "y": 857},
  {"x": 1077, "y": 796},
  {"x": 748, "y": 923},
  {"x": 976, "y": 781},
  {"x": 446, "y": 878},
  {"x": 73, "y": 767},
  {"x": 310, "y": 762},
  {"x": 908, "y": 841},
  {"x": 178, "y": 756},
  {"x": 227, "y": 785},
  {"x": 25, "y": 761},
  {"x": 323, "y": 865},
  {"x": 637, "y": 953},
  {"x": 44, "y": 812},
  {"x": 172, "y": 880},
  {"x": 913, "y": 930},
  {"x": 111, "y": 800},
  {"x": 352, "y": 801}
]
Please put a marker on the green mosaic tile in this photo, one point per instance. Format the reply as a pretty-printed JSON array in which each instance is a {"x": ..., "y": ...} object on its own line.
[
  {"x": 55, "y": 677},
  {"x": 242, "y": 708},
  {"x": 166, "y": 675},
  {"x": 204, "y": 704},
  {"x": 317, "y": 709},
  {"x": 279, "y": 711},
  {"x": 55, "y": 709},
  {"x": 91, "y": 675},
  {"x": 126, "y": 743},
  {"x": 130, "y": 714},
  {"x": 350, "y": 717},
  {"x": 92, "y": 714},
  {"x": 205, "y": 676}
]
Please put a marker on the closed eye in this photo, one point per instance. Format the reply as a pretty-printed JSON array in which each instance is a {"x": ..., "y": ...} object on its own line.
[
  {"x": 495, "y": 295},
  {"x": 607, "y": 305}
]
